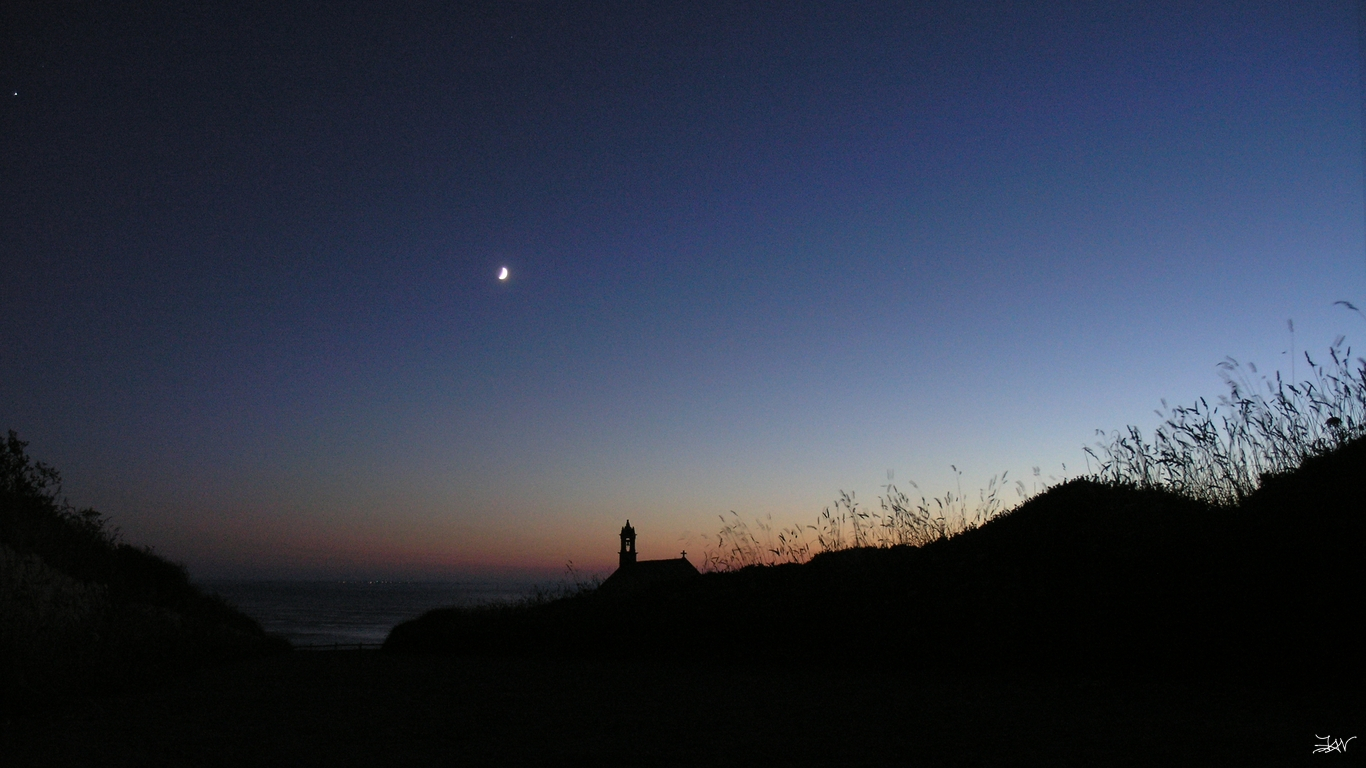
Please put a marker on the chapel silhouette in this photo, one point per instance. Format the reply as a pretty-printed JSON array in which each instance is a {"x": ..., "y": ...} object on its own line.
[{"x": 635, "y": 573}]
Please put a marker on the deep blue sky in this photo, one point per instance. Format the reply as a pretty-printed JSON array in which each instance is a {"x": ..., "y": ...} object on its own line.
[{"x": 759, "y": 253}]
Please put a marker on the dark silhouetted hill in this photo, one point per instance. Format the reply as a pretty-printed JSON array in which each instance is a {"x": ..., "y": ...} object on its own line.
[
  {"x": 1086, "y": 579},
  {"x": 81, "y": 611}
]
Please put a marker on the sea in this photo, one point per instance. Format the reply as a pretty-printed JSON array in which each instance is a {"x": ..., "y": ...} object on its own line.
[{"x": 327, "y": 613}]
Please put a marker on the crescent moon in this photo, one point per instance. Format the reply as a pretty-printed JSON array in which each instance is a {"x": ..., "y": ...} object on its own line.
[{"x": 504, "y": 274}]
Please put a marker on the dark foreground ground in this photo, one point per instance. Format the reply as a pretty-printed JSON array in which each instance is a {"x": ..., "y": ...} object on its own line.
[{"x": 363, "y": 708}]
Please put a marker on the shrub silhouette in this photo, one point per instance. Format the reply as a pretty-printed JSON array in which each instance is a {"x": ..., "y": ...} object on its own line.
[{"x": 80, "y": 610}]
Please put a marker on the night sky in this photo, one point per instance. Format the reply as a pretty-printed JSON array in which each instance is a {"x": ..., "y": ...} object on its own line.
[{"x": 758, "y": 253}]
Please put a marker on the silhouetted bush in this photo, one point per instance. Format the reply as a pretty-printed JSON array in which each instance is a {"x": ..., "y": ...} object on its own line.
[{"x": 81, "y": 610}]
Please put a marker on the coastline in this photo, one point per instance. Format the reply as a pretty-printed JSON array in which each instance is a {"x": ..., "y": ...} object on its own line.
[{"x": 324, "y": 612}]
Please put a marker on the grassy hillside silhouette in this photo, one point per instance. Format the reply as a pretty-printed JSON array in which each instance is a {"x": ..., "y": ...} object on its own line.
[
  {"x": 1224, "y": 546},
  {"x": 81, "y": 611},
  {"x": 1128, "y": 618}
]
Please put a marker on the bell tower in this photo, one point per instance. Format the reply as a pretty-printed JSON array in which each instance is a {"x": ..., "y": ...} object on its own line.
[{"x": 628, "y": 546}]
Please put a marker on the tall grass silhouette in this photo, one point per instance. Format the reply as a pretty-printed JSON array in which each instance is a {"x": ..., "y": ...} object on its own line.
[
  {"x": 1263, "y": 426},
  {"x": 898, "y": 520},
  {"x": 1217, "y": 454}
]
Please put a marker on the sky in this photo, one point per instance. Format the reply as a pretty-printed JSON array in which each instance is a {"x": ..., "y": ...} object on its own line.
[{"x": 758, "y": 253}]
